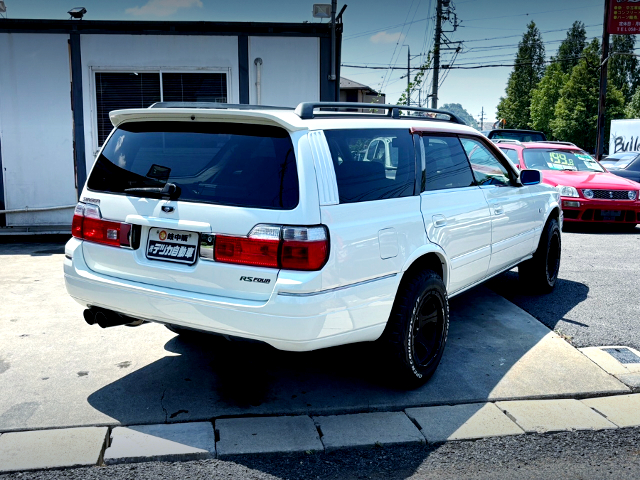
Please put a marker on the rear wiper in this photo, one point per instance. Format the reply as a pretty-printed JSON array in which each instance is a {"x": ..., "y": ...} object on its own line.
[{"x": 170, "y": 190}]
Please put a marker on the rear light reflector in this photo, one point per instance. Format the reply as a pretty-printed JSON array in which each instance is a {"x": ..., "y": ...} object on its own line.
[
  {"x": 101, "y": 231},
  {"x": 246, "y": 251},
  {"x": 275, "y": 246},
  {"x": 88, "y": 225}
]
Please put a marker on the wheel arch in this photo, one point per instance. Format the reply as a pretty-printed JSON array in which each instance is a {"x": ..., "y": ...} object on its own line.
[
  {"x": 428, "y": 258},
  {"x": 554, "y": 212}
]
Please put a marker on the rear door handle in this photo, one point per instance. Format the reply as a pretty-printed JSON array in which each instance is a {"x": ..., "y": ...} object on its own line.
[
  {"x": 498, "y": 210},
  {"x": 439, "y": 220}
]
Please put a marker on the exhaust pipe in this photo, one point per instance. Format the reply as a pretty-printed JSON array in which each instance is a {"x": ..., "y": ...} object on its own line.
[
  {"x": 106, "y": 318},
  {"x": 89, "y": 316}
]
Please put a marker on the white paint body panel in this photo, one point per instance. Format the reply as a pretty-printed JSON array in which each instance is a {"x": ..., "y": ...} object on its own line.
[
  {"x": 458, "y": 220},
  {"x": 513, "y": 222}
]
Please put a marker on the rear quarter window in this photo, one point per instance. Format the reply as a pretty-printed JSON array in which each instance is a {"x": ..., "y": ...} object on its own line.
[
  {"x": 372, "y": 164},
  {"x": 227, "y": 164}
]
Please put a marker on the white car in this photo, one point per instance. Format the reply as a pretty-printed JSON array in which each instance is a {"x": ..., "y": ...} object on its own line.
[{"x": 269, "y": 224}]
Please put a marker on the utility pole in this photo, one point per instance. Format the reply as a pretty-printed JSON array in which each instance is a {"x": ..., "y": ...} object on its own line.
[
  {"x": 436, "y": 55},
  {"x": 408, "y": 75},
  {"x": 332, "y": 75},
  {"x": 482, "y": 119},
  {"x": 604, "y": 63}
]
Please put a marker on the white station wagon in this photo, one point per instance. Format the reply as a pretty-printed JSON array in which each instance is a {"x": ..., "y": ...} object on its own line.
[{"x": 272, "y": 224}]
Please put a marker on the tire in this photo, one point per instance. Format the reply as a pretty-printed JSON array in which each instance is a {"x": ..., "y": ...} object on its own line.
[
  {"x": 417, "y": 329},
  {"x": 541, "y": 272}
]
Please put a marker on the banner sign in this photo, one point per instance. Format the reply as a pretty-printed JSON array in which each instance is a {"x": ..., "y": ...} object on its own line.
[
  {"x": 625, "y": 136},
  {"x": 624, "y": 17}
]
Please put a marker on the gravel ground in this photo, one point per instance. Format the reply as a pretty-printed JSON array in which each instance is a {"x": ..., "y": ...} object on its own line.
[
  {"x": 595, "y": 301},
  {"x": 585, "y": 455}
]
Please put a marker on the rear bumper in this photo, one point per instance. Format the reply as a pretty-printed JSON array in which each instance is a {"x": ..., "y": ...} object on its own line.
[
  {"x": 295, "y": 322},
  {"x": 592, "y": 211}
]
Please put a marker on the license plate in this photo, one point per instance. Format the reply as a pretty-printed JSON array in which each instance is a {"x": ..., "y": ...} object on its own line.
[
  {"x": 610, "y": 214},
  {"x": 172, "y": 245}
]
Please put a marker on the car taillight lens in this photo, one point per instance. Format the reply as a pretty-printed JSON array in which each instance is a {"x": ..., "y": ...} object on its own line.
[
  {"x": 274, "y": 246},
  {"x": 304, "y": 248},
  {"x": 88, "y": 224}
]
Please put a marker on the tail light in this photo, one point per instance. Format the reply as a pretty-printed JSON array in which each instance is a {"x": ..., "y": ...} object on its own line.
[
  {"x": 291, "y": 248},
  {"x": 88, "y": 224}
]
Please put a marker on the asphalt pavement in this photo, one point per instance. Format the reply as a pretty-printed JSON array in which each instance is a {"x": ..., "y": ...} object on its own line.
[
  {"x": 597, "y": 298},
  {"x": 606, "y": 454}
]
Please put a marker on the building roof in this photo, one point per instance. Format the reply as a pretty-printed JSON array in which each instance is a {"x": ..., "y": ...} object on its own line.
[
  {"x": 136, "y": 27},
  {"x": 346, "y": 84}
]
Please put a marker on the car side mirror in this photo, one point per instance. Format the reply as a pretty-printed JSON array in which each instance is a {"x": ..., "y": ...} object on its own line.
[{"x": 530, "y": 177}]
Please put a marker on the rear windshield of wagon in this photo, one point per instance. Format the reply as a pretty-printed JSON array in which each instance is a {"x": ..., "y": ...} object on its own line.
[{"x": 226, "y": 164}]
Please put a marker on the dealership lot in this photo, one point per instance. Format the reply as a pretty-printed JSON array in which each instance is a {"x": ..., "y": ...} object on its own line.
[{"x": 60, "y": 373}]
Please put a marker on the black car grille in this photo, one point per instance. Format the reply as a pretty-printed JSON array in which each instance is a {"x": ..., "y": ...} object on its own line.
[{"x": 611, "y": 194}]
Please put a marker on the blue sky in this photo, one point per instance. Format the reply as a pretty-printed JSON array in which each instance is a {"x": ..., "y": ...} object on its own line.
[{"x": 375, "y": 32}]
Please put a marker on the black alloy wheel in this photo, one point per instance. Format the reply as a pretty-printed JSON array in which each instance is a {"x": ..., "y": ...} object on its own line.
[
  {"x": 416, "y": 333},
  {"x": 428, "y": 329}
]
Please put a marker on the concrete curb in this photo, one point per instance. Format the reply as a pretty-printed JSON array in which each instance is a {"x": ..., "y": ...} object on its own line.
[{"x": 84, "y": 446}]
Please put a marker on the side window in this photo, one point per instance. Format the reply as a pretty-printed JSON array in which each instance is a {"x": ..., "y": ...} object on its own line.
[
  {"x": 366, "y": 169},
  {"x": 446, "y": 165},
  {"x": 371, "y": 151},
  {"x": 511, "y": 155},
  {"x": 487, "y": 169}
]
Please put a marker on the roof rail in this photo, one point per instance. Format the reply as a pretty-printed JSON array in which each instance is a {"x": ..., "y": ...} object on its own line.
[
  {"x": 216, "y": 105},
  {"x": 305, "y": 110},
  {"x": 506, "y": 140},
  {"x": 556, "y": 142}
]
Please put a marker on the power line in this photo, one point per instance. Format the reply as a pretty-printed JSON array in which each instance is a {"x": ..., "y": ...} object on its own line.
[
  {"x": 513, "y": 36},
  {"x": 462, "y": 67},
  {"x": 534, "y": 13},
  {"x": 384, "y": 78}
]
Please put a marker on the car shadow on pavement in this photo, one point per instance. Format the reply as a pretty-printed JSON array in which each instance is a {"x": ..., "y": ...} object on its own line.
[
  {"x": 34, "y": 245},
  {"x": 601, "y": 228},
  {"x": 549, "y": 309},
  {"x": 207, "y": 377}
]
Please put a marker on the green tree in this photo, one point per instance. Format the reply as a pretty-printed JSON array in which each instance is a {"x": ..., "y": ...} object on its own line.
[
  {"x": 545, "y": 96},
  {"x": 571, "y": 47},
  {"x": 623, "y": 66},
  {"x": 514, "y": 108},
  {"x": 633, "y": 107},
  {"x": 461, "y": 113},
  {"x": 576, "y": 112}
]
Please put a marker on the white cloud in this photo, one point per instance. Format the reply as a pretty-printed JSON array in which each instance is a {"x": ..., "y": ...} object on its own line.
[
  {"x": 384, "y": 37},
  {"x": 162, "y": 8}
]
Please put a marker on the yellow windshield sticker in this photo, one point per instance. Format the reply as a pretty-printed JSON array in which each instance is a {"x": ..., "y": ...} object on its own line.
[{"x": 560, "y": 159}]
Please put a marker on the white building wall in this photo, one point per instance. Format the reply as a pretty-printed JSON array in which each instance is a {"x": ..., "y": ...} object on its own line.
[
  {"x": 290, "y": 70},
  {"x": 36, "y": 127},
  {"x": 152, "y": 53}
]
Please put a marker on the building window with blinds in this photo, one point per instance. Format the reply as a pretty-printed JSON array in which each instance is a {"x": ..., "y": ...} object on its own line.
[{"x": 118, "y": 90}]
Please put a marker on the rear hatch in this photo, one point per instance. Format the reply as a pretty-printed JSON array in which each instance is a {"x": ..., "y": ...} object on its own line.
[{"x": 183, "y": 184}]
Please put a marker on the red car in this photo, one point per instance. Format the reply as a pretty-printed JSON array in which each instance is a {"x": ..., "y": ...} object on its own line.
[{"x": 589, "y": 193}]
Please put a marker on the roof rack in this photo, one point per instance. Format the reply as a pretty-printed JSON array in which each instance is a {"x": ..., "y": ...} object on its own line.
[
  {"x": 506, "y": 140},
  {"x": 556, "y": 142},
  {"x": 216, "y": 105},
  {"x": 305, "y": 110}
]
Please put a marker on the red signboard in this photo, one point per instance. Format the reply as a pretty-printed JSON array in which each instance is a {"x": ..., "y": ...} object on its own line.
[{"x": 624, "y": 17}]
